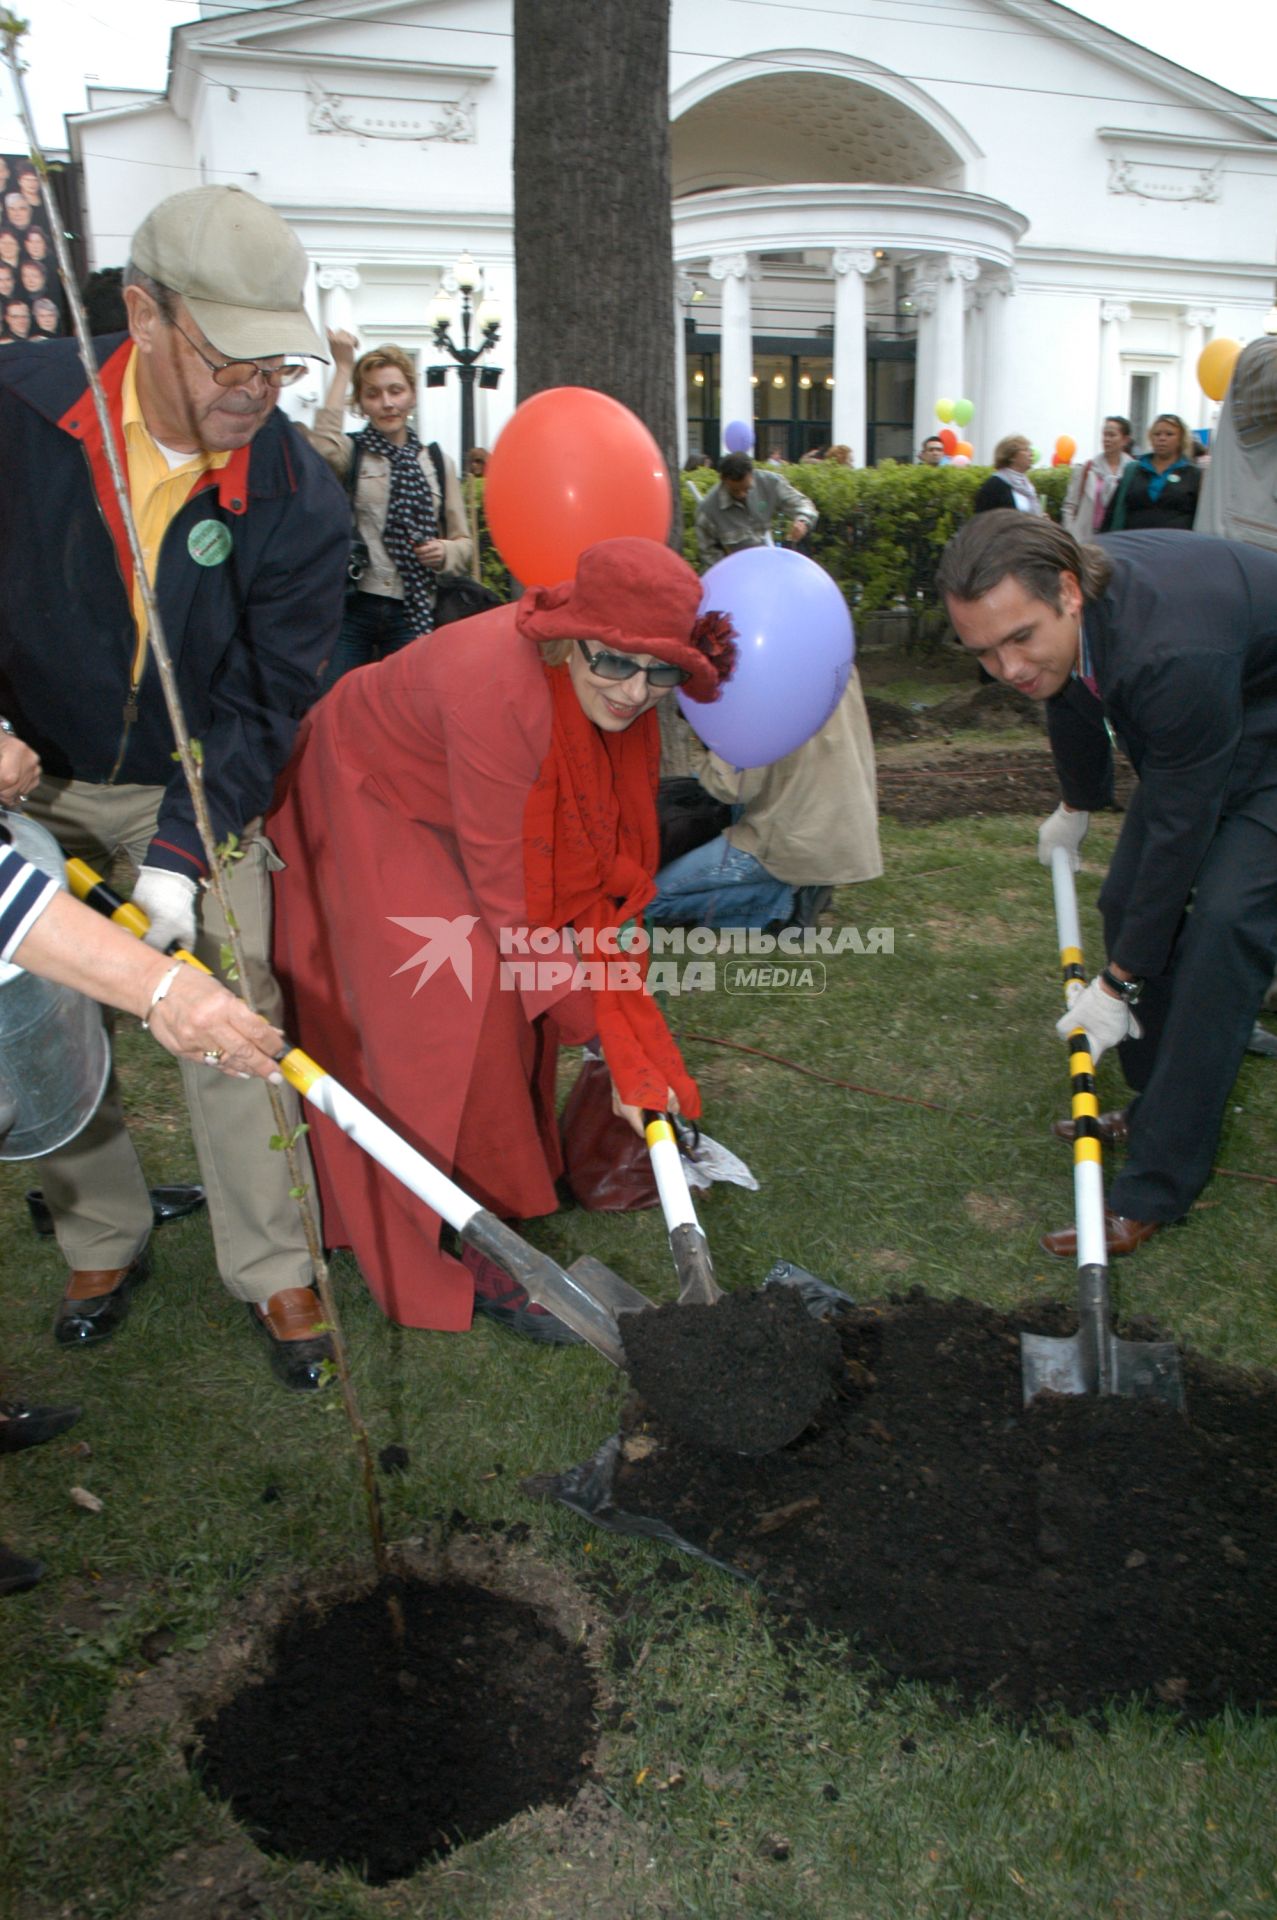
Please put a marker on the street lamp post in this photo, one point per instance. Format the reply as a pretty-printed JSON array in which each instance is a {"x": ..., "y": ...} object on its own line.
[{"x": 466, "y": 358}]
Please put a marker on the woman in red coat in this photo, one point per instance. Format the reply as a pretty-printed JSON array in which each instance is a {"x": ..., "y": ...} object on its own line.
[{"x": 492, "y": 778}]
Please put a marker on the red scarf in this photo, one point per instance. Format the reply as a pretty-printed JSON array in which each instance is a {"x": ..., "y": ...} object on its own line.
[{"x": 590, "y": 847}]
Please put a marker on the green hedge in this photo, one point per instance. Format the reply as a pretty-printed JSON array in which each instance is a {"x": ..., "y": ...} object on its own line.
[{"x": 881, "y": 529}]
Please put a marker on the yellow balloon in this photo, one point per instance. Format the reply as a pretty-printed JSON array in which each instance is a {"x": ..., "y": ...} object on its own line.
[
  {"x": 1215, "y": 365},
  {"x": 944, "y": 410}
]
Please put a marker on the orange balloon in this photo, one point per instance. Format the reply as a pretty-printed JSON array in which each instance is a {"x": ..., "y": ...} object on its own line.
[
  {"x": 572, "y": 466},
  {"x": 1215, "y": 365},
  {"x": 965, "y": 446},
  {"x": 1066, "y": 447}
]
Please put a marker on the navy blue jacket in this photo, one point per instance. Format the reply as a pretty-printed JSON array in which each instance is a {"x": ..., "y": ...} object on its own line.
[
  {"x": 249, "y": 622},
  {"x": 1183, "y": 647}
]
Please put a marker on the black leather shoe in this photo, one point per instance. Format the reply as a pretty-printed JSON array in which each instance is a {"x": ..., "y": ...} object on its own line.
[
  {"x": 17, "y": 1574},
  {"x": 167, "y": 1203},
  {"x": 96, "y": 1302},
  {"x": 300, "y": 1357},
  {"x": 24, "y": 1426}
]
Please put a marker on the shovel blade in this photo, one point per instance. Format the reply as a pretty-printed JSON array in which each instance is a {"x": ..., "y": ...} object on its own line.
[
  {"x": 607, "y": 1287},
  {"x": 1136, "y": 1369}
]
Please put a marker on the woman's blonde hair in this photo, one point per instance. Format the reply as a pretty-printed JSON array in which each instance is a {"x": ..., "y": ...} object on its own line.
[
  {"x": 374, "y": 360},
  {"x": 556, "y": 653},
  {"x": 1010, "y": 444}
]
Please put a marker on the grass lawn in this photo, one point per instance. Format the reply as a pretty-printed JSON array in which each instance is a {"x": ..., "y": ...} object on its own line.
[{"x": 742, "y": 1776}]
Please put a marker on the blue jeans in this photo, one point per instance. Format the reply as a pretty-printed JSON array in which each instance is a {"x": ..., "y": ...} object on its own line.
[
  {"x": 373, "y": 627},
  {"x": 716, "y": 885}
]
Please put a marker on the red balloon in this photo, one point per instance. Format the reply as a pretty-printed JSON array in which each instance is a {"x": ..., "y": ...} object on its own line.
[
  {"x": 570, "y": 467},
  {"x": 948, "y": 440}
]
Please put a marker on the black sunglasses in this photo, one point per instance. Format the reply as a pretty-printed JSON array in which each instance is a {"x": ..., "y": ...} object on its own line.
[{"x": 619, "y": 666}]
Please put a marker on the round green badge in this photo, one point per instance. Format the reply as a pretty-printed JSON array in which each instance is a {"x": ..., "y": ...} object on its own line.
[
  {"x": 208, "y": 543},
  {"x": 629, "y": 936}
]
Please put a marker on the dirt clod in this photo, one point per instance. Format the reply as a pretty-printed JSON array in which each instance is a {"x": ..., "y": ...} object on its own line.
[{"x": 745, "y": 1375}]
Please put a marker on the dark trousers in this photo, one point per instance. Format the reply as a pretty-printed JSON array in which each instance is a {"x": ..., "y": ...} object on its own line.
[
  {"x": 374, "y": 626},
  {"x": 1197, "y": 1016}
]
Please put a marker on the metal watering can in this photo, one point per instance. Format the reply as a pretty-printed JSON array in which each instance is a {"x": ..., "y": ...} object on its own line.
[{"x": 55, "y": 1056}]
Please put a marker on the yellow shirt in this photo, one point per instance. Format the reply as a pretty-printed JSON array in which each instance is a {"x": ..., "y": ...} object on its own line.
[{"x": 156, "y": 490}]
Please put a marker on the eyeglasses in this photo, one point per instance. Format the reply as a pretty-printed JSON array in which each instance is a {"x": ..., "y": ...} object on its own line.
[
  {"x": 238, "y": 373},
  {"x": 619, "y": 666}
]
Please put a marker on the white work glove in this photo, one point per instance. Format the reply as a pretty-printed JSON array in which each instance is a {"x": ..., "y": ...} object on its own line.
[
  {"x": 1105, "y": 1018},
  {"x": 168, "y": 901},
  {"x": 1063, "y": 829}
]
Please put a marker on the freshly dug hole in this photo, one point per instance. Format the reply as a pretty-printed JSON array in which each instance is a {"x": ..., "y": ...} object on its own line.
[
  {"x": 358, "y": 1751},
  {"x": 745, "y": 1375}
]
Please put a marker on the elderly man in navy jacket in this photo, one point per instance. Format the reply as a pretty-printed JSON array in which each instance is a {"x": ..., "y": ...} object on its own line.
[
  {"x": 244, "y": 533},
  {"x": 1173, "y": 642}
]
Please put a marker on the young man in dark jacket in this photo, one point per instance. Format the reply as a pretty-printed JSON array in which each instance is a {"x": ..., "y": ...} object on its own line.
[
  {"x": 1173, "y": 643},
  {"x": 245, "y": 534}
]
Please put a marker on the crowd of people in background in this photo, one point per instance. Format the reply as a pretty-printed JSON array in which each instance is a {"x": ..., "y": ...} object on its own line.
[{"x": 30, "y": 295}]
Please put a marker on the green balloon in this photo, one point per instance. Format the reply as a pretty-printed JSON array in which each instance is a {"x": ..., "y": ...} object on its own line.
[{"x": 963, "y": 411}]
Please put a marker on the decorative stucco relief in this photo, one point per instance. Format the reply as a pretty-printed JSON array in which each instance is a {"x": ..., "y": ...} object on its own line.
[
  {"x": 361, "y": 117},
  {"x": 1152, "y": 181}
]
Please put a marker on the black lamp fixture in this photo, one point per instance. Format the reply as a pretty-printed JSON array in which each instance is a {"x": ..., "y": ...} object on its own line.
[{"x": 465, "y": 357}]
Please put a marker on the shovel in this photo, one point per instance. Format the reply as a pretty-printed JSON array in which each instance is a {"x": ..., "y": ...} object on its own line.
[
  {"x": 587, "y": 1298},
  {"x": 1093, "y": 1360},
  {"x": 690, "y": 1248}
]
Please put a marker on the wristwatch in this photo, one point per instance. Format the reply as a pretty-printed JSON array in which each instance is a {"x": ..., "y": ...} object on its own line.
[
  {"x": 1128, "y": 990},
  {"x": 6, "y": 726}
]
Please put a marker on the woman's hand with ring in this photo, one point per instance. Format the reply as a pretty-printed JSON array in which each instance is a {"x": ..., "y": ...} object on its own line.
[
  {"x": 201, "y": 1020},
  {"x": 19, "y": 769}
]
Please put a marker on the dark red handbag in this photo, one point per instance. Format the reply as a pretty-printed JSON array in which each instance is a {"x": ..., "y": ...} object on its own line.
[{"x": 604, "y": 1162}]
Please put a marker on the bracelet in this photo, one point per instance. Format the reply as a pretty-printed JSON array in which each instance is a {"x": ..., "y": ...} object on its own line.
[{"x": 160, "y": 992}]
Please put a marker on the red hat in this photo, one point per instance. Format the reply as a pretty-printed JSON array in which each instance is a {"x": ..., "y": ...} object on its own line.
[{"x": 636, "y": 596}]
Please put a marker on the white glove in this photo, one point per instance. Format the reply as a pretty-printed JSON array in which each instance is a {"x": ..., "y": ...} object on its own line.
[
  {"x": 1105, "y": 1018},
  {"x": 1063, "y": 829},
  {"x": 168, "y": 901}
]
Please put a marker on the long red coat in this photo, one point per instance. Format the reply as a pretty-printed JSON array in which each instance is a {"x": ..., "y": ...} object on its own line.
[{"x": 404, "y": 801}]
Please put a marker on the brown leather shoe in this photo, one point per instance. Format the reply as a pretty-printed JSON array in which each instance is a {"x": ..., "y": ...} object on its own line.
[
  {"x": 1114, "y": 1128},
  {"x": 96, "y": 1302},
  {"x": 1121, "y": 1236},
  {"x": 301, "y": 1356}
]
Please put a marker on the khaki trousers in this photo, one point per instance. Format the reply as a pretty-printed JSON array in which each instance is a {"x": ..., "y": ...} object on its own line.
[{"x": 95, "y": 1187}]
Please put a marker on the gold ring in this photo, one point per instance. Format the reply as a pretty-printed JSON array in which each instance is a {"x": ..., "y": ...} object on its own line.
[{"x": 214, "y": 1057}]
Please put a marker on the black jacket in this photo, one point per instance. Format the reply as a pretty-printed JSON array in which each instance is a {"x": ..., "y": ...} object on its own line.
[
  {"x": 249, "y": 583},
  {"x": 1183, "y": 647}
]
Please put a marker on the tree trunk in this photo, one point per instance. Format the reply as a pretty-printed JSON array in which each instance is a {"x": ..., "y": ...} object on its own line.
[{"x": 592, "y": 241}]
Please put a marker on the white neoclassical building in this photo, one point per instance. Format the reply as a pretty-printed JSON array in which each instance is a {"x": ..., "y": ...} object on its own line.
[{"x": 1001, "y": 200}]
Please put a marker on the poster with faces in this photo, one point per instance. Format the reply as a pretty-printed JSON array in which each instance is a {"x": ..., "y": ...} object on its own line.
[{"x": 31, "y": 305}]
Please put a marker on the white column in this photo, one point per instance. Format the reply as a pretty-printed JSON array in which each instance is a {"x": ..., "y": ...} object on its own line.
[
  {"x": 1113, "y": 397},
  {"x": 957, "y": 271},
  {"x": 683, "y": 291},
  {"x": 997, "y": 401},
  {"x": 973, "y": 362},
  {"x": 1199, "y": 324},
  {"x": 337, "y": 288},
  {"x": 737, "y": 401},
  {"x": 925, "y": 390},
  {"x": 850, "y": 417}
]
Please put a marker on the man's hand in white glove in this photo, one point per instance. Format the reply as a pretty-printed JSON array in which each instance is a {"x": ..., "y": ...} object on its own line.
[
  {"x": 168, "y": 901},
  {"x": 1065, "y": 828},
  {"x": 1105, "y": 1018}
]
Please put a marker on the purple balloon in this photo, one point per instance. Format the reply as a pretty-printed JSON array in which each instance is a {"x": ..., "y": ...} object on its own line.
[
  {"x": 796, "y": 645},
  {"x": 738, "y": 436}
]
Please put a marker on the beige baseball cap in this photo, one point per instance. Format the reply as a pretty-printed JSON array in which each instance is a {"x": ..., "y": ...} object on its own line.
[{"x": 238, "y": 267}]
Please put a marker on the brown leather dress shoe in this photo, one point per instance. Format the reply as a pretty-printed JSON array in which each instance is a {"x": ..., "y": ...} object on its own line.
[
  {"x": 1121, "y": 1236},
  {"x": 96, "y": 1302},
  {"x": 1114, "y": 1128},
  {"x": 300, "y": 1355}
]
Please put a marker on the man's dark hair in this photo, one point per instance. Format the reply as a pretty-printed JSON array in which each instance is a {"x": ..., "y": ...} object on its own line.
[
  {"x": 1027, "y": 547},
  {"x": 734, "y": 466},
  {"x": 104, "y": 307}
]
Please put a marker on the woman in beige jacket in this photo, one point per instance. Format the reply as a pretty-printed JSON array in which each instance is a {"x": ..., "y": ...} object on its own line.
[{"x": 409, "y": 528}]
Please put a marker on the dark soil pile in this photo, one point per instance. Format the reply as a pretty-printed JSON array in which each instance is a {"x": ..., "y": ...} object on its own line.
[
  {"x": 963, "y": 784},
  {"x": 360, "y": 1751},
  {"x": 1060, "y": 1556},
  {"x": 747, "y": 1374}
]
